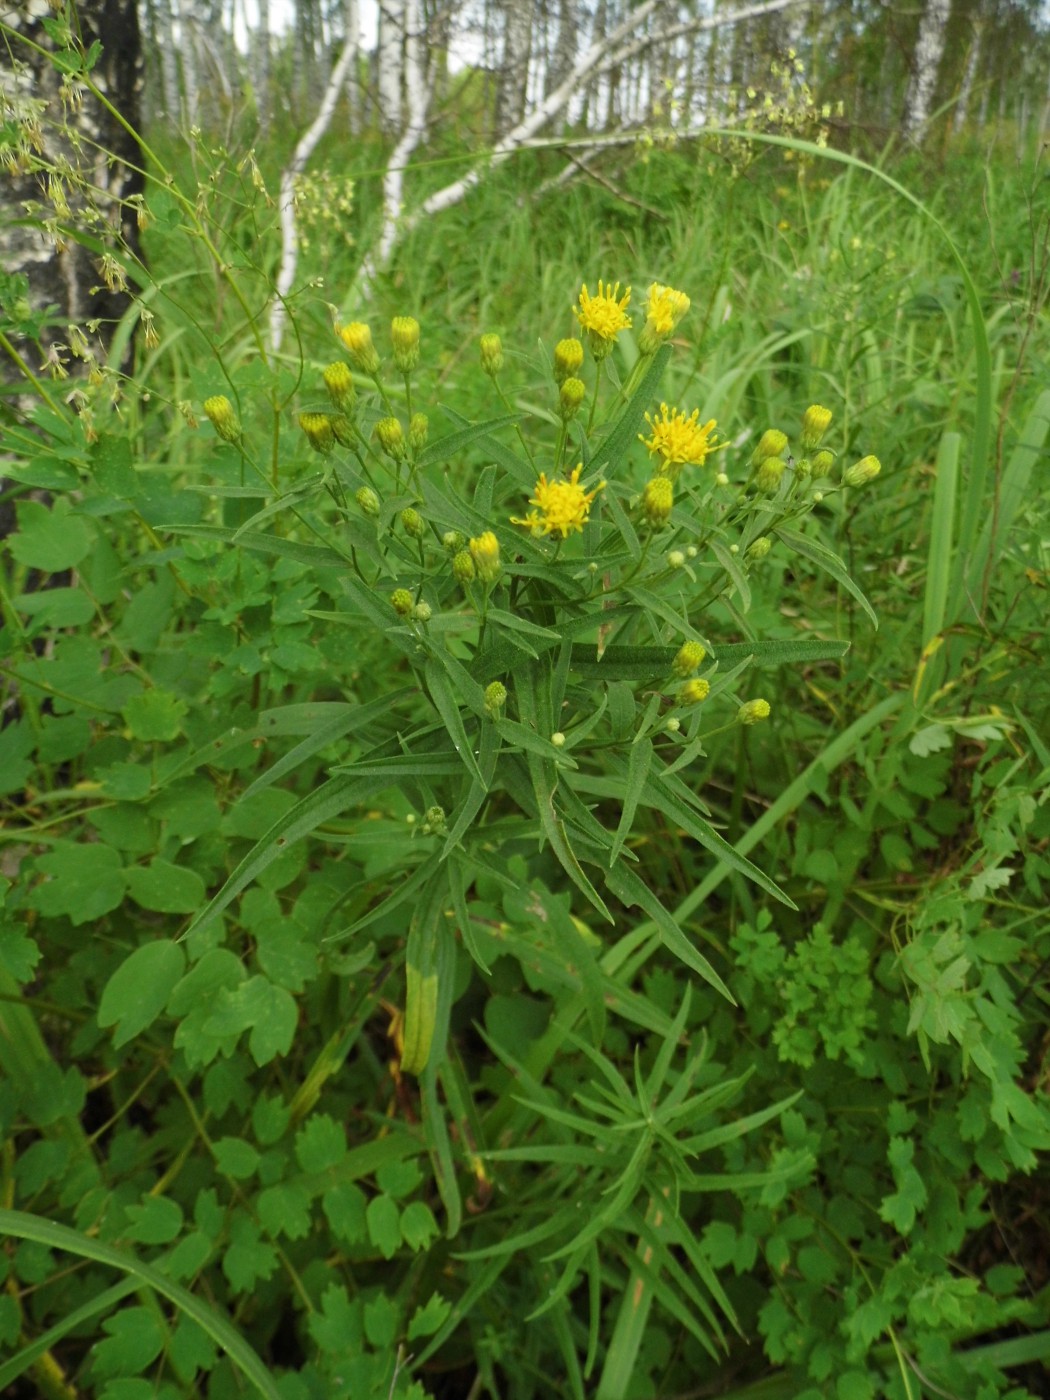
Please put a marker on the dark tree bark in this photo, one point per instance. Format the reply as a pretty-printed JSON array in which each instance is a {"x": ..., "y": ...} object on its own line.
[{"x": 75, "y": 165}]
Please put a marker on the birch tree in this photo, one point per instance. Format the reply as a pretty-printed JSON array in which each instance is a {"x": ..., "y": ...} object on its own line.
[
  {"x": 926, "y": 62},
  {"x": 512, "y": 87}
]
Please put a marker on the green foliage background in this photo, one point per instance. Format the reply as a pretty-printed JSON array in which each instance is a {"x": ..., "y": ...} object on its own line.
[{"x": 610, "y": 1180}]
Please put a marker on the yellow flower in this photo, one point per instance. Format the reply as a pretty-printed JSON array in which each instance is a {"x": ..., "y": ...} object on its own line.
[
  {"x": 678, "y": 439},
  {"x": 603, "y": 317},
  {"x": 563, "y": 506},
  {"x": 666, "y": 308}
]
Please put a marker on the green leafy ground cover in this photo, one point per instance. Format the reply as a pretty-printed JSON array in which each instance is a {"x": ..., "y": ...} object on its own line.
[{"x": 308, "y": 1091}]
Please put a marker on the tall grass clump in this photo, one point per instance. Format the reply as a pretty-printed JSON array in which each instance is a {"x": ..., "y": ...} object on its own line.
[{"x": 526, "y": 839}]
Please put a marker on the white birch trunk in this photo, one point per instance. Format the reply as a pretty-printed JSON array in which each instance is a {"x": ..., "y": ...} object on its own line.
[
  {"x": 512, "y": 92},
  {"x": 929, "y": 46},
  {"x": 261, "y": 76},
  {"x": 962, "y": 106},
  {"x": 352, "y": 26},
  {"x": 390, "y": 63}
]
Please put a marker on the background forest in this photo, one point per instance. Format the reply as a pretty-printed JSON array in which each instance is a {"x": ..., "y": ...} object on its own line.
[{"x": 524, "y": 841}]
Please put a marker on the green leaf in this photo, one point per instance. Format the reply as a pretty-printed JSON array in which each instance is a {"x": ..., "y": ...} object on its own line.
[
  {"x": 50, "y": 539},
  {"x": 165, "y": 888},
  {"x": 270, "y": 1012},
  {"x": 429, "y": 957},
  {"x": 450, "y": 446},
  {"x": 135, "y": 1340},
  {"x": 448, "y": 708},
  {"x": 138, "y": 991},
  {"x": 22, "y": 1225},
  {"x": 609, "y": 455},
  {"x": 326, "y": 802},
  {"x": 248, "y": 1259},
  {"x": 84, "y": 882},
  {"x": 384, "y": 1225},
  {"x": 314, "y": 555},
  {"x": 827, "y": 560},
  {"x": 155, "y": 716},
  {"x": 235, "y": 1157},
  {"x": 638, "y": 764},
  {"x": 157, "y": 1220},
  {"x": 19, "y": 955},
  {"x": 628, "y": 888},
  {"x": 320, "y": 1143}
]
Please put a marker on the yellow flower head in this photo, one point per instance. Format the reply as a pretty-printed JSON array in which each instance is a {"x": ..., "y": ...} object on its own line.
[
  {"x": 666, "y": 308},
  {"x": 563, "y": 505},
  {"x": 679, "y": 440},
  {"x": 603, "y": 317}
]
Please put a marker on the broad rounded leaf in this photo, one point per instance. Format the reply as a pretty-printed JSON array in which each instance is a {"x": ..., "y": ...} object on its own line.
[{"x": 137, "y": 992}]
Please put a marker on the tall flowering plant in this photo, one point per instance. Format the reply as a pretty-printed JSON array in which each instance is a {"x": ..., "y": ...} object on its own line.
[{"x": 565, "y": 589}]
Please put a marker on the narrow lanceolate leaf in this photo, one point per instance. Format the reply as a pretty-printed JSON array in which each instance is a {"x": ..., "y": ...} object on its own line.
[
  {"x": 447, "y": 447},
  {"x": 829, "y": 561},
  {"x": 20, "y": 1225},
  {"x": 651, "y": 663},
  {"x": 639, "y": 761},
  {"x": 316, "y": 555},
  {"x": 630, "y": 890},
  {"x": 534, "y": 705},
  {"x": 328, "y": 801},
  {"x": 428, "y": 960},
  {"x": 447, "y": 706},
  {"x": 340, "y": 721},
  {"x": 657, "y": 795}
]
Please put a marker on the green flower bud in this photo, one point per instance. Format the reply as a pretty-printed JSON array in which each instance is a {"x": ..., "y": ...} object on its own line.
[
  {"x": 340, "y": 385},
  {"x": 367, "y": 501},
  {"x": 558, "y": 739},
  {"x": 357, "y": 337},
  {"x": 815, "y": 422},
  {"x": 568, "y": 357},
  {"x": 342, "y": 430},
  {"x": 823, "y": 462},
  {"x": 463, "y": 570},
  {"x": 219, "y": 412},
  {"x": 404, "y": 332},
  {"x": 867, "y": 469},
  {"x": 758, "y": 549},
  {"x": 753, "y": 712},
  {"x": 485, "y": 552},
  {"x": 803, "y": 469},
  {"x": 402, "y": 602},
  {"x": 318, "y": 430},
  {"x": 412, "y": 523},
  {"x": 453, "y": 541},
  {"x": 675, "y": 559},
  {"x": 434, "y": 820},
  {"x": 422, "y": 612},
  {"x": 769, "y": 474},
  {"x": 657, "y": 500},
  {"x": 689, "y": 657},
  {"x": 495, "y": 698},
  {"x": 391, "y": 437},
  {"x": 491, "y": 354},
  {"x": 418, "y": 428},
  {"x": 770, "y": 444},
  {"x": 694, "y": 691},
  {"x": 573, "y": 392}
]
